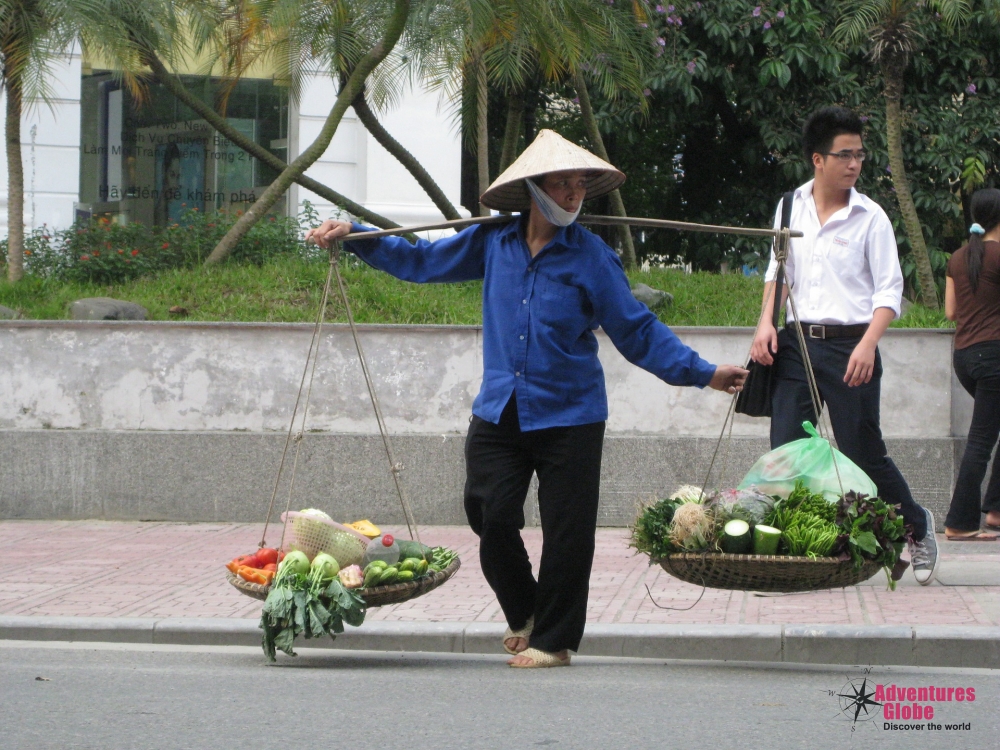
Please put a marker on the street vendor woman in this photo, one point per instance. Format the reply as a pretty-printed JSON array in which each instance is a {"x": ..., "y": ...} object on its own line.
[{"x": 548, "y": 283}]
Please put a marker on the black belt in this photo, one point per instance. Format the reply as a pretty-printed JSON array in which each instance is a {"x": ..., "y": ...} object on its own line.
[{"x": 820, "y": 331}]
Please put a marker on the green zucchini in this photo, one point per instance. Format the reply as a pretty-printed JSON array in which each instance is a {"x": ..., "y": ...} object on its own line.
[
  {"x": 765, "y": 540},
  {"x": 736, "y": 538}
]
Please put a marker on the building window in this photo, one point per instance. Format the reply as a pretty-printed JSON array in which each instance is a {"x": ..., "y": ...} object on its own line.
[{"x": 151, "y": 161}]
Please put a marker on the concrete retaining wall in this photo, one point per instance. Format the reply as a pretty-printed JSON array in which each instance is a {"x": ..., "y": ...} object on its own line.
[{"x": 186, "y": 421}]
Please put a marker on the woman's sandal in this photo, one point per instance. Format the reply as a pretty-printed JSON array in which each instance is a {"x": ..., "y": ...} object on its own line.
[
  {"x": 541, "y": 660},
  {"x": 971, "y": 536},
  {"x": 524, "y": 632}
]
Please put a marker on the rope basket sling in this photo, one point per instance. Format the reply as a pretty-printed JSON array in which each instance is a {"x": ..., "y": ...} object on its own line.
[
  {"x": 769, "y": 573},
  {"x": 375, "y": 596}
]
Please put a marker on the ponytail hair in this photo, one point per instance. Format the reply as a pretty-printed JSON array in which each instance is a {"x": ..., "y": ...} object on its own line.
[{"x": 985, "y": 210}]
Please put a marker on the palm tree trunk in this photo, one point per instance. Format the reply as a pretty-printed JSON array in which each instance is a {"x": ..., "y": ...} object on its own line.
[
  {"x": 404, "y": 157},
  {"x": 348, "y": 92},
  {"x": 15, "y": 181},
  {"x": 512, "y": 129},
  {"x": 482, "y": 132},
  {"x": 615, "y": 197},
  {"x": 927, "y": 293},
  {"x": 222, "y": 125}
]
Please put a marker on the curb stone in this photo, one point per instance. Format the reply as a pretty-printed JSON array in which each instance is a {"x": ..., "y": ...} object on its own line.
[{"x": 921, "y": 645}]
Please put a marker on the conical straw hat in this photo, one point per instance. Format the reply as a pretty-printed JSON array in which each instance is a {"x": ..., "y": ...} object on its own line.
[{"x": 549, "y": 152}]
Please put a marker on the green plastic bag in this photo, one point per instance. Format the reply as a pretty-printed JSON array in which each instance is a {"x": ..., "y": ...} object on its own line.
[{"x": 810, "y": 460}]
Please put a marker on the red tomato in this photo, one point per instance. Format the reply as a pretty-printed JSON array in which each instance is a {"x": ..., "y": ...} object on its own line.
[
  {"x": 271, "y": 566},
  {"x": 250, "y": 561},
  {"x": 266, "y": 556}
]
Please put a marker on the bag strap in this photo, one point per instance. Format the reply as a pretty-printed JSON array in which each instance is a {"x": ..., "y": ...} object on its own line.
[{"x": 779, "y": 280}]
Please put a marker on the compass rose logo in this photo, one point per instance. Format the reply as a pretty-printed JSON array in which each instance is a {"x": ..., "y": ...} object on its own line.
[{"x": 857, "y": 702}]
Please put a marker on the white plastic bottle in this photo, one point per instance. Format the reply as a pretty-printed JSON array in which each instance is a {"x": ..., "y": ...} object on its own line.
[{"x": 382, "y": 548}]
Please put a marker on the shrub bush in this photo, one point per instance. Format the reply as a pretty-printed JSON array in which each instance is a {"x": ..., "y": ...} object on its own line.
[{"x": 103, "y": 252}]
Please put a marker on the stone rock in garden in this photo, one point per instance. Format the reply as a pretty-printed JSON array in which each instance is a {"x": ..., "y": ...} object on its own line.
[
  {"x": 652, "y": 298},
  {"x": 106, "y": 308},
  {"x": 7, "y": 314}
]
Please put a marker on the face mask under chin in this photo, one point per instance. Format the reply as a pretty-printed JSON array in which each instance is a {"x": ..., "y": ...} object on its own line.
[{"x": 552, "y": 211}]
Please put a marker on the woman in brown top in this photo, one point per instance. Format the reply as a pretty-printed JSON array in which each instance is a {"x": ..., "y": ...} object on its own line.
[{"x": 972, "y": 300}]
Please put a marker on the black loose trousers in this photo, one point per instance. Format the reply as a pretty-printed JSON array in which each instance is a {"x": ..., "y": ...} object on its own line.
[
  {"x": 854, "y": 413},
  {"x": 500, "y": 460}
]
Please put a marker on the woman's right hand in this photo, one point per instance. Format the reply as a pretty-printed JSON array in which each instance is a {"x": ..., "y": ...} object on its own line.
[
  {"x": 327, "y": 232},
  {"x": 765, "y": 344}
]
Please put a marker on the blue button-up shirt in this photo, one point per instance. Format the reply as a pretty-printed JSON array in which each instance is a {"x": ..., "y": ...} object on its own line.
[{"x": 539, "y": 317}]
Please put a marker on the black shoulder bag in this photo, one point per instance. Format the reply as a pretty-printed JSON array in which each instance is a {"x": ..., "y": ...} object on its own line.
[{"x": 755, "y": 398}]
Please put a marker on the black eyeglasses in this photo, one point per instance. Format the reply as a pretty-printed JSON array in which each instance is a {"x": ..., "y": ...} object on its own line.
[{"x": 846, "y": 156}]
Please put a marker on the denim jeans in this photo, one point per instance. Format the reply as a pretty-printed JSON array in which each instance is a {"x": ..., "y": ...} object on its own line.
[{"x": 978, "y": 370}]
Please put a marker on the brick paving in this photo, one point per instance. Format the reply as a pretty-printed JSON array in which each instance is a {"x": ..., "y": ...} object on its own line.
[{"x": 155, "y": 569}]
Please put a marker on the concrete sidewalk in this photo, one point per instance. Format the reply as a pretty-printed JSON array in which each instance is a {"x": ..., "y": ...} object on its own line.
[{"x": 164, "y": 583}]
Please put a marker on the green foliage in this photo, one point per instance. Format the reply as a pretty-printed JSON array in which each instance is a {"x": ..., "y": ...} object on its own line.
[
  {"x": 730, "y": 89},
  {"x": 102, "y": 252}
]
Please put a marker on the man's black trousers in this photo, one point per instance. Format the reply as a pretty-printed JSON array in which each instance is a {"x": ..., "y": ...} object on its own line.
[
  {"x": 854, "y": 413},
  {"x": 500, "y": 460}
]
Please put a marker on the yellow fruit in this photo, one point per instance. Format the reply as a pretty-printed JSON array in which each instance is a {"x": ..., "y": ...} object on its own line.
[{"x": 365, "y": 527}]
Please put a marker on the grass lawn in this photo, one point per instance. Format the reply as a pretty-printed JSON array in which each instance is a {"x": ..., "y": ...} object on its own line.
[{"x": 288, "y": 289}]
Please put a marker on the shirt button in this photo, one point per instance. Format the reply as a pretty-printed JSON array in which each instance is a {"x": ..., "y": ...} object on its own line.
[
  {"x": 524, "y": 302},
  {"x": 521, "y": 337},
  {"x": 517, "y": 374}
]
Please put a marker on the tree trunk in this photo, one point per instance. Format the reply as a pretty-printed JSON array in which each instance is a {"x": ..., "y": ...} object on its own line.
[
  {"x": 15, "y": 182},
  {"x": 615, "y": 197},
  {"x": 512, "y": 130},
  {"x": 221, "y": 124},
  {"x": 482, "y": 132},
  {"x": 348, "y": 92},
  {"x": 404, "y": 157},
  {"x": 893, "y": 75}
]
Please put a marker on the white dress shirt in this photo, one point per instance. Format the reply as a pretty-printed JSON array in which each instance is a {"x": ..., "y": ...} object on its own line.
[{"x": 842, "y": 271}]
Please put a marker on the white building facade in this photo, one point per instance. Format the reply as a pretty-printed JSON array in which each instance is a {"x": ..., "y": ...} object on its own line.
[{"x": 92, "y": 151}]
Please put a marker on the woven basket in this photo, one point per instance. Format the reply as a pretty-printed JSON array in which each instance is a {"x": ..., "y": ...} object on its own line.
[
  {"x": 394, "y": 593},
  {"x": 766, "y": 572}
]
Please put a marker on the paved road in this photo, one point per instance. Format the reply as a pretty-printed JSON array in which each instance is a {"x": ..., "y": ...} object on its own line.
[{"x": 120, "y": 696}]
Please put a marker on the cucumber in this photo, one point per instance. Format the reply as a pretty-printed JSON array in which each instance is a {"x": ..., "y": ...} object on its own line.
[
  {"x": 736, "y": 539},
  {"x": 410, "y": 563},
  {"x": 765, "y": 540},
  {"x": 409, "y": 548},
  {"x": 389, "y": 575}
]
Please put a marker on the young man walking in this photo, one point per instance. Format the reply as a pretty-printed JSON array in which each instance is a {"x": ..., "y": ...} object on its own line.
[{"x": 848, "y": 287}]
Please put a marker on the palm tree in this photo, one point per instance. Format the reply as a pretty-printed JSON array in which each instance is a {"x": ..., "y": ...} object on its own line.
[
  {"x": 352, "y": 39},
  {"x": 889, "y": 29},
  {"x": 28, "y": 31},
  {"x": 33, "y": 34},
  {"x": 517, "y": 45}
]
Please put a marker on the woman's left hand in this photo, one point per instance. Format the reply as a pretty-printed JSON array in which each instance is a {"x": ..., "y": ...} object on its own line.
[{"x": 728, "y": 378}]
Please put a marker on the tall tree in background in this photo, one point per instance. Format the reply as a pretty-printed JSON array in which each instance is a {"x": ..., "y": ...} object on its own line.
[
  {"x": 27, "y": 45},
  {"x": 888, "y": 27},
  {"x": 523, "y": 44},
  {"x": 34, "y": 34}
]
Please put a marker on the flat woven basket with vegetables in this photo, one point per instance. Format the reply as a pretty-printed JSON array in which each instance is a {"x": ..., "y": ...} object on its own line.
[
  {"x": 377, "y": 596},
  {"x": 778, "y": 573}
]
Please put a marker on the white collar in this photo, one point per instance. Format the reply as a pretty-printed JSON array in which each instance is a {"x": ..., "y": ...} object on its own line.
[{"x": 854, "y": 199}]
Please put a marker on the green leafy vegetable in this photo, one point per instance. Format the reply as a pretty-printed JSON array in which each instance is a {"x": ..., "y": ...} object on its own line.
[
  {"x": 651, "y": 530},
  {"x": 307, "y": 605}
]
